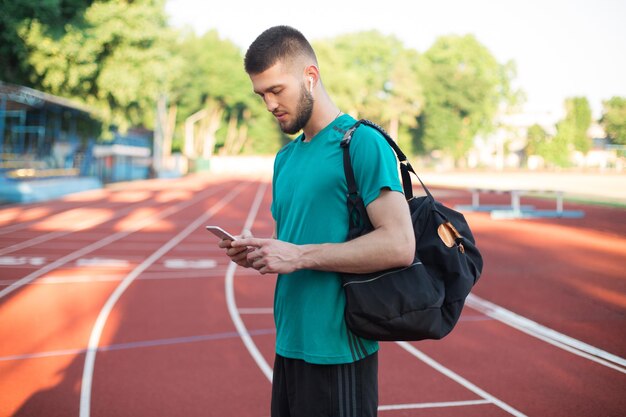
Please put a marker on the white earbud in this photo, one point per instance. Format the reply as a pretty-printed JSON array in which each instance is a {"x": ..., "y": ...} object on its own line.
[{"x": 311, "y": 85}]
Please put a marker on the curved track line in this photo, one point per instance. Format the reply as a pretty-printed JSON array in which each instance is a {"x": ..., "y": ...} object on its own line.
[
  {"x": 459, "y": 379},
  {"x": 103, "y": 242},
  {"x": 96, "y": 333},
  {"x": 546, "y": 334},
  {"x": 230, "y": 295}
]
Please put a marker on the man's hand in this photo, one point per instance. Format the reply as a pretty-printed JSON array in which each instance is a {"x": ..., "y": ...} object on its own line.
[
  {"x": 237, "y": 254},
  {"x": 270, "y": 256}
]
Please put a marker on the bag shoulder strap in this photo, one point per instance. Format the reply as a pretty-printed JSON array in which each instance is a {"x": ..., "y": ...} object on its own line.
[{"x": 405, "y": 165}]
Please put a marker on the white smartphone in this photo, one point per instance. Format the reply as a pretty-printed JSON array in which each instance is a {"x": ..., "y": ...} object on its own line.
[{"x": 221, "y": 233}]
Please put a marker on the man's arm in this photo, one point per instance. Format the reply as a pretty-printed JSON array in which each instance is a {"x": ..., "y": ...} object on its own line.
[{"x": 391, "y": 244}]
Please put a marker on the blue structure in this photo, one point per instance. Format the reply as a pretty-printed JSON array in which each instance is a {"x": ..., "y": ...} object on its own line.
[
  {"x": 48, "y": 148},
  {"x": 125, "y": 158}
]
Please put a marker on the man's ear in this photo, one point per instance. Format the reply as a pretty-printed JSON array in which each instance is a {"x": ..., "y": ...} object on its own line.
[{"x": 312, "y": 74}]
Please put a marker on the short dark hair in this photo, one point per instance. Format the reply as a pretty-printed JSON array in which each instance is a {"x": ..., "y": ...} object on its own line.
[{"x": 274, "y": 44}]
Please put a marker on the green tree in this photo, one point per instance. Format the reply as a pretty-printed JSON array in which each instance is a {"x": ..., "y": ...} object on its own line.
[
  {"x": 114, "y": 57},
  {"x": 212, "y": 81},
  {"x": 554, "y": 150},
  {"x": 614, "y": 119},
  {"x": 463, "y": 87},
  {"x": 16, "y": 14},
  {"x": 571, "y": 134},
  {"x": 536, "y": 138},
  {"x": 573, "y": 128},
  {"x": 373, "y": 76}
]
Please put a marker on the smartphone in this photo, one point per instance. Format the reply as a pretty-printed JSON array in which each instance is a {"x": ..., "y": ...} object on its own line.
[{"x": 221, "y": 233}]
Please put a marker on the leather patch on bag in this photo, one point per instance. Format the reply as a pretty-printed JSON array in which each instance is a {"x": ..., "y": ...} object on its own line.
[{"x": 448, "y": 234}]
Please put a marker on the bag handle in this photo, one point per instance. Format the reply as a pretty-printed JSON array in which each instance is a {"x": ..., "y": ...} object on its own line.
[{"x": 405, "y": 165}]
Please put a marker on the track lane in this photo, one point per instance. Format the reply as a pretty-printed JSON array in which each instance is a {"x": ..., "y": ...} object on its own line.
[
  {"x": 552, "y": 377},
  {"x": 55, "y": 320},
  {"x": 101, "y": 321},
  {"x": 565, "y": 277},
  {"x": 257, "y": 294},
  {"x": 171, "y": 308},
  {"x": 531, "y": 375},
  {"x": 122, "y": 229},
  {"x": 15, "y": 217}
]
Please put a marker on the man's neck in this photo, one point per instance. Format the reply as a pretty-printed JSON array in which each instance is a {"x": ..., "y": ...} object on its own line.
[{"x": 324, "y": 113}]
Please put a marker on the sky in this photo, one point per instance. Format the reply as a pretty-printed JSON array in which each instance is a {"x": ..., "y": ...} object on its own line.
[{"x": 561, "y": 48}]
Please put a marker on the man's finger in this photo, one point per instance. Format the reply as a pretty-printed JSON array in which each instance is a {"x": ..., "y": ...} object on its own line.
[
  {"x": 241, "y": 257},
  {"x": 224, "y": 243},
  {"x": 235, "y": 251},
  {"x": 256, "y": 261},
  {"x": 254, "y": 242}
]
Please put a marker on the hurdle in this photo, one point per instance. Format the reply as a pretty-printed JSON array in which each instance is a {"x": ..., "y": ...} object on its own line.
[{"x": 515, "y": 210}]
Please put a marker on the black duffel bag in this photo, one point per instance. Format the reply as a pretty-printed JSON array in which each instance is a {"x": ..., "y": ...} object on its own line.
[{"x": 424, "y": 300}]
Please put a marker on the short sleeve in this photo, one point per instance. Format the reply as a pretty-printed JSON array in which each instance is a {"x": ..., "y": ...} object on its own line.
[{"x": 374, "y": 163}]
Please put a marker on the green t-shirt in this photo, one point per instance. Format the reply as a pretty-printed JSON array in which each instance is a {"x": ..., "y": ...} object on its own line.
[{"x": 309, "y": 206}]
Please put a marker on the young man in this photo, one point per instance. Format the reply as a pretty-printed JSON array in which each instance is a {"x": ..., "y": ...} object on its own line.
[{"x": 321, "y": 368}]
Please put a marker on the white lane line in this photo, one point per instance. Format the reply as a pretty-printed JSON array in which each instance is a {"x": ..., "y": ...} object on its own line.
[
  {"x": 546, "y": 334},
  {"x": 105, "y": 241},
  {"x": 230, "y": 295},
  {"x": 36, "y": 355},
  {"x": 431, "y": 405},
  {"x": 96, "y": 332},
  {"x": 459, "y": 379},
  {"x": 256, "y": 311}
]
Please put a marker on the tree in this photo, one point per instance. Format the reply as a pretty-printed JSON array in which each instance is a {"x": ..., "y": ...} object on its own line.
[
  {"x": 614, "y": 119},
  {"x": 571, "y": 134},
  {"x": 16, "y": 14},
  {"x": 212, "y": 80},
  {"x": 573, "y": 128},
  {"x": 373, "y": 76},
  {"x": 554, "y": 150},
  {"x": 463, "y": 87},
  {"x": 536, "y": 137},
  {"x": 113, "y": 57}
]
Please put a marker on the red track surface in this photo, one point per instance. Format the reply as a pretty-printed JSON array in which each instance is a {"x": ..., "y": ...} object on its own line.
[{"x": 170, "y": 346}]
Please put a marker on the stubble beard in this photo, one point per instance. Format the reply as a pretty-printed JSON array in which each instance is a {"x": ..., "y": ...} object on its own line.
[{"x": 303, "y": 113}]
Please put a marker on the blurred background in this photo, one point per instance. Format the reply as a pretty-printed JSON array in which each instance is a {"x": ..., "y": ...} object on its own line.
[{"x": 94, "y": 92}]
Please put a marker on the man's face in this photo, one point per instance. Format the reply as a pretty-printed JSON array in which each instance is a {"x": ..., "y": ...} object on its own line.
[{"x": 285, "y": 95}]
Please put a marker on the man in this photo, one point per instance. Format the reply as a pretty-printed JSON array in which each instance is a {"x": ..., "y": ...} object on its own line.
[{"x": 321, "y": 368}]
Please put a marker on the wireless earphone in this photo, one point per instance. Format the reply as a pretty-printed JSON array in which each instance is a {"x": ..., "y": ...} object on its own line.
[{"x": 311, "y": 85}]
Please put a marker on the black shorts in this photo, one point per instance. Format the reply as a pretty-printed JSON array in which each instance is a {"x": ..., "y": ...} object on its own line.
[{"x": 302, "y": 389}]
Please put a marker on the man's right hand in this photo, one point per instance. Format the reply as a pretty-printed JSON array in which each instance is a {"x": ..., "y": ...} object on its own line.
[{"x": 237, "y": 255}]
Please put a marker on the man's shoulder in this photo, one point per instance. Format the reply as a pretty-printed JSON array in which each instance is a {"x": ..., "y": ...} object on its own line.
[
  {"x": 342, "y": 124},
  {"x": 368, "y": 136},
  {"x": 364, "y": 133}
]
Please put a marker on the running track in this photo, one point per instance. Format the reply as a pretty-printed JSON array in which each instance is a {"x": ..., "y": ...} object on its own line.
[{"x": 117, "y": 302}]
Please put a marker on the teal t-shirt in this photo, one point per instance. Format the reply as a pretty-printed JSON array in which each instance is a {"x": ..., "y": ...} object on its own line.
[{"x": 309, "y": 206}]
